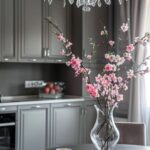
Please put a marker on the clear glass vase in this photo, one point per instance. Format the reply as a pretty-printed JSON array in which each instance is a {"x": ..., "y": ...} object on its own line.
[{"x": 104, "y": 133}]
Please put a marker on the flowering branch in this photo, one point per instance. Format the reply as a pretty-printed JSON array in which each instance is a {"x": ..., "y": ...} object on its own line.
[{"x": 108, "y": 86}]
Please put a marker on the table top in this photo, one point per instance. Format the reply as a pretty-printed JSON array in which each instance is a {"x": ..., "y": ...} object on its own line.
[{"x": 118, "y": 147}]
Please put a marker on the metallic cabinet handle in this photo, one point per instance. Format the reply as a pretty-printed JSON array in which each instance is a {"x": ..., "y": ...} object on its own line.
[
  {"x": 6, "y": 59},
  {"x": 45, "y": 52},
  {"x": 7, "y": 124},
  {"x": 68, "y": 105},
  {"x": 82, "y": 111},
  {"x": 36, "y": 107},
  {"x": 48, "y": 53},
  {"x": 3, "y": 109},
  {"x": 34, "y": 60},
  {"x": 59, "y": 60}
]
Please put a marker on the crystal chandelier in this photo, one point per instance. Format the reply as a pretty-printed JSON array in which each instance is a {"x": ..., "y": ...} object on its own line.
[{"x": 86, "y": 4}]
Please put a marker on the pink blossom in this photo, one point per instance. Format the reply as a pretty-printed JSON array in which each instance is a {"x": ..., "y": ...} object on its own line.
[
  {"x": 112, "y": 58},
  {"x": 68, "y": 45},
  {"x": 109, "y": 67},
  {"x": 105, "y": 81},
  {"x": 125, "y": 87},
  {"x": 115, "y": 58},
  {"x": 130, "y": 48},
  {"x": 119, "y": 60},
  {"x": 124, "y": 27},
  {"x": 92, "y": 90},
  {"x": 127, "y": 56},
  {"x": 85, "y": 79},
  {"x": 61, "y": 37},
  {"x": 84, "y": 70},
  {"x": 75, "y": 62},
  {"x": 62, "y": 52},
  {"x": 97, "y": 78},
  {"x": 102, "y": 32},
  {"x": 130, "y": 74},
  {"x": 89, "y": 56},
  {"x": 120, "y": 79},
  {"x": 107, "y": 56},
  {"x": 113, "y": 77},
  {"x": 119, "y": 97},
  {"x": 111, "y": 43}
]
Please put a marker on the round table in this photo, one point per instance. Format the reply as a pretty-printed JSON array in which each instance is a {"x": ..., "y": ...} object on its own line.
[{"x": 118, "y": 147}]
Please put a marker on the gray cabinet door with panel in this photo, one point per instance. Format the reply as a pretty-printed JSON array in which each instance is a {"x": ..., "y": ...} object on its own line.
[
  {"x": 90, "y": 118},
  {"x": 61, "y": 16},
  {"x": 33, "y": 127},
  {"x": 66, "y": 122},
  {"x": 31, "y": 20},
  {"x": 9, "y": 30},
  {"x": 0, "y": 29}
]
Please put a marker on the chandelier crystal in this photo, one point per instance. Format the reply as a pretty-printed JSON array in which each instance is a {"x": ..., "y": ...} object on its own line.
[{"x": 86, "y": 4}]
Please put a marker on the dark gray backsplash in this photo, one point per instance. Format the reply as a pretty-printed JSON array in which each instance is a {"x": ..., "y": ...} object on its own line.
[
  {"x": 73, "y": 84},
  {"x": 13, "y": 75}
]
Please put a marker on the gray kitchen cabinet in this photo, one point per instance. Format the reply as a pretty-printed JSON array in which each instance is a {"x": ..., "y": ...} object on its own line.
[
  {"x": 0, "y": 29},
  {"x": 62, "y": 17},
  {"x": 92, "y": 24},
  {"x": 66, "y": 124},
  {"x": 37, "y": 42},
  {"x": 90, "y": 118},
  {"x": 31, "y": 19},
  {"x": 33, "y": 127},
  {"x": 8, "y": 26}
]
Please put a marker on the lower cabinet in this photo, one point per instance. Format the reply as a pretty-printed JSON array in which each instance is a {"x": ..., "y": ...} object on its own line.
[
  {"x": 45, "y": 126},
  {"x": 66, "y": 124},
  {"x": 33, "y": 127}
]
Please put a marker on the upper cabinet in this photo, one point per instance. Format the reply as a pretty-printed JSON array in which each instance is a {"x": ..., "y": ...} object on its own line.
[
  {"x": 37, "y": 41},
  {"x": 25, "y": 35},
  {"x": 92, "y": 24},
  {"x": 31, "y": 16},
  {"x": 0, "y": 28},
  {"x": 61, "y": 16},
  {"x": 8, "y": 32}
]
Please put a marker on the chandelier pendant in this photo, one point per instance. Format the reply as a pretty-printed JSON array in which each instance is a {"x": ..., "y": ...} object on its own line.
[{"x": 86, "y": 4}]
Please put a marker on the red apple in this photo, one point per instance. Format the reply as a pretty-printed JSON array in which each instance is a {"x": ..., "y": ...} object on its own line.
[
  {"x": 53, "y": 91},
  {"x": 50, "y": 84},
  {"x": 46, "y": 90},
  {"x": 57, "y": 88}
]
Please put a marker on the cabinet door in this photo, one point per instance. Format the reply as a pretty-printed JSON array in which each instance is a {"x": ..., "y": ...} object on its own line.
[
  {"x": 92, "y": 24},
  {"x": 9, "y": 30},
  {"x": 33, "y": 127},
  {"x": 90, "y": 118},
  {"x": 31, "y": 16},
  {"x": 66, "y": 124},
  {"x": 61, "y": 16},
  {"x": 0, "y": 28}
]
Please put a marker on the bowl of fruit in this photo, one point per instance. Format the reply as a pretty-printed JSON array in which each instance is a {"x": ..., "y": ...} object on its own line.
[{"x": 52, "y": 90}]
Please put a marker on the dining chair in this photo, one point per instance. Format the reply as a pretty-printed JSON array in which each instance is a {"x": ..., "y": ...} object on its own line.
[{"x": 131, "y": 133}]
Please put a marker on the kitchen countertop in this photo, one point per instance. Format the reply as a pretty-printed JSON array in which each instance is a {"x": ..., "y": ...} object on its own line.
[{"x": 25, "y": 100}]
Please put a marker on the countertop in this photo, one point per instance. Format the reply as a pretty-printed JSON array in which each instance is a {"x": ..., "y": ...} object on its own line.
[{"x": 25, "y": 100}]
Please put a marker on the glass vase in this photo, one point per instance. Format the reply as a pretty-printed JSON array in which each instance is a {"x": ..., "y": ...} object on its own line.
[{"x": 104, "y": 133}]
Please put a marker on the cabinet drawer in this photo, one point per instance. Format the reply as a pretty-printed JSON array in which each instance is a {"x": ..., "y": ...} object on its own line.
[
  {"x": 6, "y": 109},
  {"x": 34, "y": 106}
]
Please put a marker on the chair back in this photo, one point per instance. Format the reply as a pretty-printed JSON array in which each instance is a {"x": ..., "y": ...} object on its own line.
[{"x": 131, "y": 133}]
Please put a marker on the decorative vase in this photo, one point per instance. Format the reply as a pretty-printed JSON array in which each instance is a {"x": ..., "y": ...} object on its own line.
[{"x": 104, "y": 133}]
